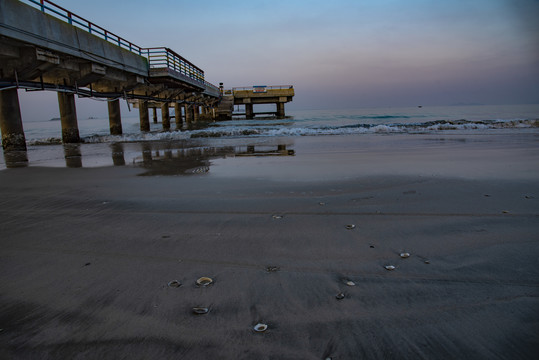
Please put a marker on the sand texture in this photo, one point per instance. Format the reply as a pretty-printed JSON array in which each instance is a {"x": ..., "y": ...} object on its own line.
[{"x": 87, "y": 255}]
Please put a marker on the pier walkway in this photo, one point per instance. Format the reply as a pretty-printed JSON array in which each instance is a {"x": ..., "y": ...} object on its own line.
[{"x": 46, "y": 47}]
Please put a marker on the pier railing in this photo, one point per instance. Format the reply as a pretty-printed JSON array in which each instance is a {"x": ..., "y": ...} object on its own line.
[
  {"x": 212, "y": 87},
  {"x": 59, "y": 12},
  {"x": 256, "y": 88},
  {"x": 162, "y": 57},
  {"x": 159, "y": 57}
]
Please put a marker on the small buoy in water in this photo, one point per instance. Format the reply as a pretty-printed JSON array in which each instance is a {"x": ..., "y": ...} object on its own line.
[
  {"x": 200, "y": 310},
  {"x": 505, "y": 211},
  {"x": 174, "y": 283},
  {"x": 339, "y": 296},
  {"x": 390, "y": 267},
  {"x": 272, "y": 268},
  {"x": 371, "y": 246},
  {"x": 277, "y": 216},
  {"x": 350, "y": 283},
  {"x": 350, "y": 227},
  {"x": 321, "y": 203},
  {"x": 427, "y": 261},
  {"x": 204, "y": 281},
  {"x": 405, "y": 255},
  {"x": 260, "y": 327}
]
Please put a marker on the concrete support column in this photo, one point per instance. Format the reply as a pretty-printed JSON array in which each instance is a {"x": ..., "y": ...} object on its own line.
[
  {"x": 178, "y": 115},
  {"x": 115, "y": 118},
  {"x": 249, "y": 113},
  {"x": 11, "y": 121},
  {"x": 165, "y": 116},
  {"x": 188, "y": 113},
  {"x": 195, "y": 113},
  {"x": 203, "y": 112},
  {"x": 143, "y": 115},
  {"x": 280, "y": 109},
  {"x": 68, "y": 118},
  {"x": 154, "y": 115}
]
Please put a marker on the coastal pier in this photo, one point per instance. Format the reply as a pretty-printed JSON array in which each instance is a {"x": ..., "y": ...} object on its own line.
[
  {"x": 250, "y": 96},
  {"x": 46, "y": 47}
]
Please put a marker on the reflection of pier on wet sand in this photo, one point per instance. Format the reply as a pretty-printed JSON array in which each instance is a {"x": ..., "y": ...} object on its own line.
[
  {"x": 159, "y": 158},
  {"x": 187, "y": 161}
]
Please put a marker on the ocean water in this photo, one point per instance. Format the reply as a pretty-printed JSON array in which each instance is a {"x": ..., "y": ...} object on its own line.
[
  {"x": 412, "y": 120},
  {"x": 303, "y": 137}
]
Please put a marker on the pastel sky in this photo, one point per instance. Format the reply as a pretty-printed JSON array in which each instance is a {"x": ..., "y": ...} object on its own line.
[{"x": 346, "y": 53}]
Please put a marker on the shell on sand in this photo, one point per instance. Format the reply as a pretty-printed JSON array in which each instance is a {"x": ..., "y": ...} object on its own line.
[
  {"x": 200, "y": 310},
  {"x": 204, "y": 281},
  {"x": 174, "y": 283},
  {"x": 260, "y": 327}
]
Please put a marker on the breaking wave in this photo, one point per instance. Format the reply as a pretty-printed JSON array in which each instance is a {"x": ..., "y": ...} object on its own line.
[{"x": 222, "y": 130}]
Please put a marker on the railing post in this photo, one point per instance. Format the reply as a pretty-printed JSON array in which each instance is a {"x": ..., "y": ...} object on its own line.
[
  {"x": 42, "y": 6},
  {"x": 69, "y": 19}
]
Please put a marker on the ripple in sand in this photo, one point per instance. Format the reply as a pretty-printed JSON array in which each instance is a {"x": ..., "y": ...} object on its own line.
[
  {"x": 260, "y": 327},
  {"x": 204, "y": 281},
  {"x": 174, "y": 284},
  {"x": 200, "y": 310}
]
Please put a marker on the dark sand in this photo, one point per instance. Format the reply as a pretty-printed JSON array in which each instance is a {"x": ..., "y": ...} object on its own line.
[{"x": 87, "y": 254}]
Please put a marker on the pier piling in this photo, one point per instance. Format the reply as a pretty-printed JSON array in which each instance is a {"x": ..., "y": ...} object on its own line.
[
  {"x": 154, "y": 115},
  {"x": 178, "y": 115},
  {"x": 11, "y": 121},
  {"x": 195, "y": 113},
  {"x": 115, "y": 118},
  {"x": 280, "y": 109},
  {"x": 68, "y": 118},
  {"x": 143, "y": 115},
  {"x": 188, "y": 113},
  {"x": 165, "y": 116}
]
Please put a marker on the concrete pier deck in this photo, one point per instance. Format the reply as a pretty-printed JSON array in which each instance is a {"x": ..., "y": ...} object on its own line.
[
  {"x": 254, "y": 95},
  {"x": 46, "y": 47}
]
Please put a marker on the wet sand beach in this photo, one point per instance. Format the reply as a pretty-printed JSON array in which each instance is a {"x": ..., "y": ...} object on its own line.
[{"x": 88, "y": 253}]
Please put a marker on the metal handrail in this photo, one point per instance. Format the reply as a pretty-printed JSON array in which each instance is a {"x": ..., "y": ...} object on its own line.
[
  {"x": 162, "y": 57},
  {"x": 211, "y": 86},
  {"x": 279, "y": 87},
  {"x": 158, "y": 57},
  {"x": 80, "y": 22}
]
